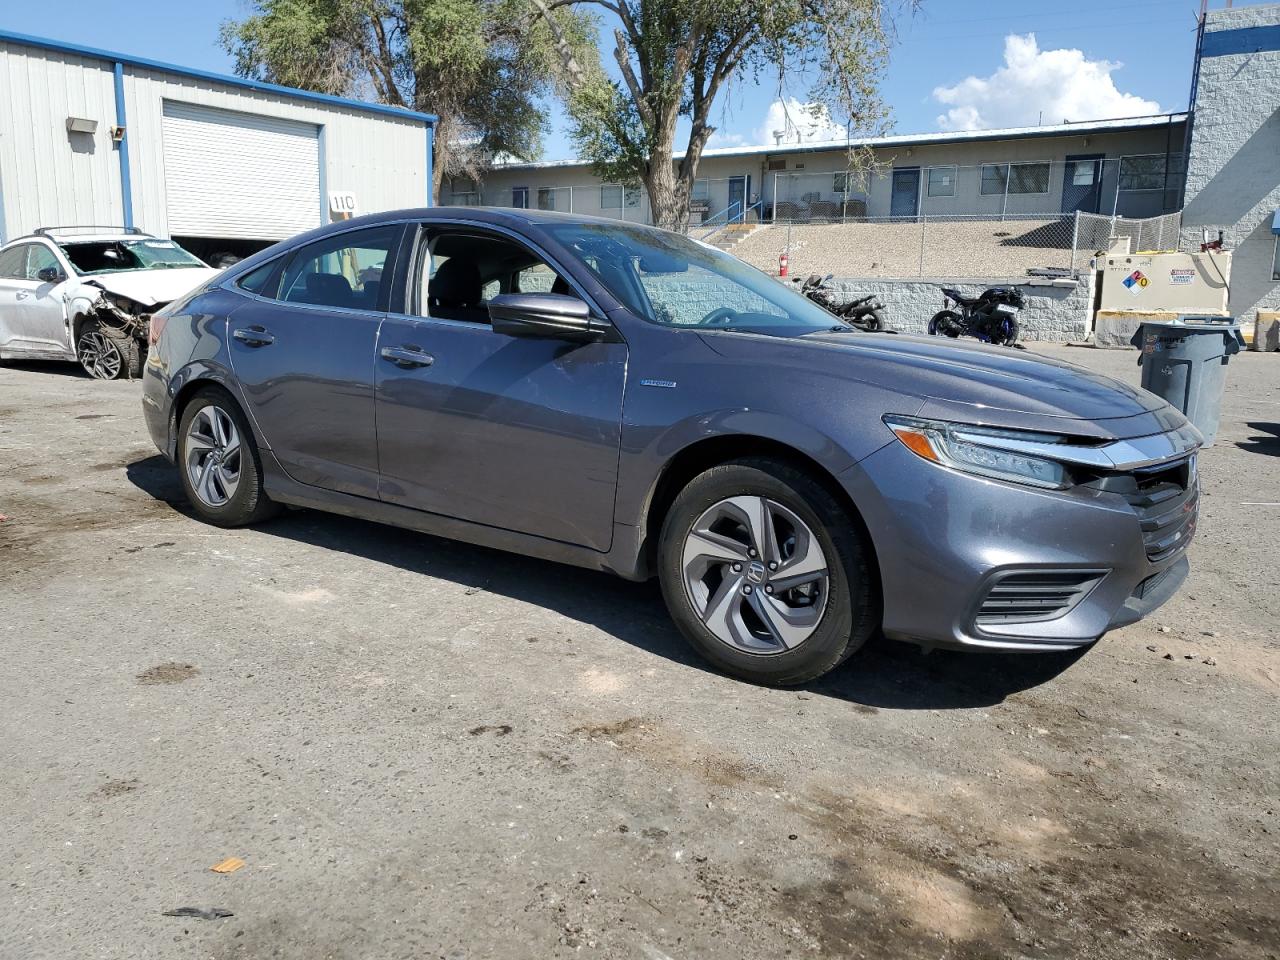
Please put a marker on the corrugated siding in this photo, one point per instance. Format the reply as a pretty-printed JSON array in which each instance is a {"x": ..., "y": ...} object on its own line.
[
  {"x": 230, "y": 174},
  {"x": 380, "y": 159},
  {"x": 52, "y": 177},
  {"x": 49, "y": 179}
]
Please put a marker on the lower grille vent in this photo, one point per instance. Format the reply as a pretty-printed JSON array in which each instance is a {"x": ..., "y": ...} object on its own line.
[{"x": 1033, "y": 595}]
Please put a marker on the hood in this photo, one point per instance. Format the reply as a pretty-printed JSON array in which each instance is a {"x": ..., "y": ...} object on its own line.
[
  {"x": 153, "y": 287},
  {"x": 961, "y": 380}
]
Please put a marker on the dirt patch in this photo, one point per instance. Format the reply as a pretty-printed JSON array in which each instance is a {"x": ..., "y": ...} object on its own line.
[
  {"x": 498, "y": 730},
  {"x": 168, "y": 673},
  {"x": 115, "y": 788},
  {"x": 608, "y": 731}
]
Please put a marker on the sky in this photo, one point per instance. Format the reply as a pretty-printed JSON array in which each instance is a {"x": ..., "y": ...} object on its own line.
[{"x": 957, "y": 64}]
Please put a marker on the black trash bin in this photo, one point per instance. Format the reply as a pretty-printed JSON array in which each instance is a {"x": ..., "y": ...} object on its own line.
[{"x": 1185, "y": 362}]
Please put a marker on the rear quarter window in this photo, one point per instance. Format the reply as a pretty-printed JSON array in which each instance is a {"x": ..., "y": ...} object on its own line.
[{"x": 258, "y": 281}]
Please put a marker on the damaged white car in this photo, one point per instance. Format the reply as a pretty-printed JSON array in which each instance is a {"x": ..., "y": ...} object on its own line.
[{"x": 87, "y": 294}]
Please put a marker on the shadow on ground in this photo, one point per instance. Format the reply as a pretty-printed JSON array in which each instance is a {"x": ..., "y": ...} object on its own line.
[
  {"x": 1268, "y": 443},
  {"x": 883, "y": 674},
  {"x": 65, "y": 368}
]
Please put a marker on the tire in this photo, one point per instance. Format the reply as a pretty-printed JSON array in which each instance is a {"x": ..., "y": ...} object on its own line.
[
  {"x": 108, "y": 353},
  {"x": 877, "y": 320},
  {"x": 946, "y": 323},
  {"x": 223, "y": 488},
  {"x": 1014, "y": 330},
  {"x": 829, "y": 618}
]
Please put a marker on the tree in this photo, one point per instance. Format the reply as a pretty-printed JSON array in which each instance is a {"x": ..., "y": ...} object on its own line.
[
  {"x": 476, "y": 64},
  {"x": 676, "y": 57}
]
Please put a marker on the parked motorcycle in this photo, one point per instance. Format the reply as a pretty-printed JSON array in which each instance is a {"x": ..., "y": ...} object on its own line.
[
  {"x": 865, "y": 314},
  {"x": 991, "y": 317}
]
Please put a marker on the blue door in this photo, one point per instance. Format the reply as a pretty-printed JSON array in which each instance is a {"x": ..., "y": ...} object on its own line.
[
  {"x": 904, "y": 201},
  {"x": 737, "y": 198},
  {"x": 1082, "y": 184}
]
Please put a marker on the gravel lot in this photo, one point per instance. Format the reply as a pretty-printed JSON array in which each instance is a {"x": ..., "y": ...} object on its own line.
[{"x": 422, "y": 749}]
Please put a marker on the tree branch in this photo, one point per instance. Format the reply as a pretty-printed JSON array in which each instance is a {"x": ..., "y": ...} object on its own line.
[{"x": 577, "y": 77}]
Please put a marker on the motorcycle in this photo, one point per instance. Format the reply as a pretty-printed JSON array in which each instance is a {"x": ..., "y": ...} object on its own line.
[
  {"x": 866, "y": 313},
  {"x": 992, "y": 317}
]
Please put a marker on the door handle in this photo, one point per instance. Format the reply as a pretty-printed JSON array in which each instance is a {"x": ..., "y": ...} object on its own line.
[
  {"x": 407, "y": 357},
  {"x": 254, "y": 336}
]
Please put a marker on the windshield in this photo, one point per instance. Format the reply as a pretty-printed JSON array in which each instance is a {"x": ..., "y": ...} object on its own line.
[
  {"x": 114, "y": 256},
  {"x": 670, "y": 279}
]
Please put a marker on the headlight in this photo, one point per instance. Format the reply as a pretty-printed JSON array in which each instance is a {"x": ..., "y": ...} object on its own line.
[{"x": 961, "y": 447}]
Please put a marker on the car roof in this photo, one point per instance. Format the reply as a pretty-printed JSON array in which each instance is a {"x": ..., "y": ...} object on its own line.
[
  {"x": 510, "y": 216},
  {"x": 56, "y": 235}
]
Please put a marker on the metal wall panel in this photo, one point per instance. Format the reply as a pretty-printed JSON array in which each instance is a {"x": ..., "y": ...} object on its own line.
[
  {"x": 53, "y": 178},
  {"x": 380, "y": 159}
]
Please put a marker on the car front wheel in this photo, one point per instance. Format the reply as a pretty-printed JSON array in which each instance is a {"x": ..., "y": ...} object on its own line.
[
  {"x": 766, "y": 574},
  {"x": 107, "y": 353}
]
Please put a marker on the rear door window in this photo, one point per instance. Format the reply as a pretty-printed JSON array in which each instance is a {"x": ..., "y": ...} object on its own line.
[
  {"x": 346, "y": 270},
  {"x": 13, "y": 262}
]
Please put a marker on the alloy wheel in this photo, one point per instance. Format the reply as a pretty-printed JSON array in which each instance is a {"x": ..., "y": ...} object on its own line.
[
  {"x": 213, "y": 455},
  {"x": 100, "y": 356},
  {"x": 756, "y": 575}
]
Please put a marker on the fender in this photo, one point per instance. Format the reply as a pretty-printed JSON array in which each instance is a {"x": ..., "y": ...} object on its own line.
[{"x": 192, "y": 376}]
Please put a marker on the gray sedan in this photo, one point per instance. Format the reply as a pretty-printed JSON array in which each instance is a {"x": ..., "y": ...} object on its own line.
[{"x": 630, "y": 400}]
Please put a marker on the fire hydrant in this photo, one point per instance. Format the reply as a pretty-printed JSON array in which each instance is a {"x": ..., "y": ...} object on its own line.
[{"x": 782, "y": 265}]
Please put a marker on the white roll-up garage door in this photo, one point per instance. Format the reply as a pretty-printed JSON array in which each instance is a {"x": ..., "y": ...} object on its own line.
[{"x": 239, "y": 175}]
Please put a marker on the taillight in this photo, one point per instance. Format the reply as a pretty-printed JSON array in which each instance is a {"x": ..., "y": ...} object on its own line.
[{"x": 155, "y": 328}]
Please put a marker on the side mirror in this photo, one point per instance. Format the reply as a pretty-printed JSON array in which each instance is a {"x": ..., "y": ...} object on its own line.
[
  {"x": 50, "y": 275},
  {"x": 550, "y": 316}
]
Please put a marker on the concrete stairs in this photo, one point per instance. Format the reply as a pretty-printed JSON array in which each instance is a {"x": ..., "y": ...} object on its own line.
[{"x": 733, "y": 234}]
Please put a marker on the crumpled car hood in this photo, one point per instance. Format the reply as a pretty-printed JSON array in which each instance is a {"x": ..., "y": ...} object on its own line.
[{"x": 152, "y": 287}]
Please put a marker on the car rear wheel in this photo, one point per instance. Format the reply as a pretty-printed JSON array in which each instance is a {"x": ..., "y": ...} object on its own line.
[
  {"x": 218, "y": 462},
  {"x": 107, "y": 353},
  {"x": 765, "y": 574},
  {"x": 946, "y": 323}
]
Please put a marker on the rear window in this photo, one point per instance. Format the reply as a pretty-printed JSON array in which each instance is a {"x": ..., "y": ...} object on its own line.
[{"x": 256, "y": 281}]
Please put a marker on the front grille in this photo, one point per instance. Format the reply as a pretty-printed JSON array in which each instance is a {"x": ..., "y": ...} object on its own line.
[
  {"x": 1033, "y": 595},
  {"x": 1166, "y": 499}
]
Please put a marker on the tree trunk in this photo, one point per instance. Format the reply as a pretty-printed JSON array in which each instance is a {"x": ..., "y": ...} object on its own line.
[{"x": 668, "y": 197}]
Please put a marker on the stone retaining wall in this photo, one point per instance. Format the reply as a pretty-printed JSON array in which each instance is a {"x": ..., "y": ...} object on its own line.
[{"x": 1058, "y": 312}]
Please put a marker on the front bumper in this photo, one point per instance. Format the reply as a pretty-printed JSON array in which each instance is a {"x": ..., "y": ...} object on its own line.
[{"x": 944, "y": 539}]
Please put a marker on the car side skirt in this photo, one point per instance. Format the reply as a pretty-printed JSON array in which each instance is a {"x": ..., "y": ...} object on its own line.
[{"x": 620, "y": 561}]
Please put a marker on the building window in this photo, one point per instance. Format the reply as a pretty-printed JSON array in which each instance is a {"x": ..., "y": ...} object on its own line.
[
  {"x": 546, "y": 198},
  {"x": 1019, "y": 178},
  {"x": 611, "y": 195},
  {"x": 1275, "y": 261},
  {"x": 465, "y": 198},
  {"x": 942, "y": 181},
  {"x": 840, "y": 183},
  {"x": 520, "y": 198},
  {"x": 994, "y": 176},
  {"x": 1151, "y": 172}
]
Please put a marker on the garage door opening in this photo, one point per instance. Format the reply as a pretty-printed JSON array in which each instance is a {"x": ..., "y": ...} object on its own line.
[
  {"x": 239, "y": 176},
  {"x": 221, "y": 251}
]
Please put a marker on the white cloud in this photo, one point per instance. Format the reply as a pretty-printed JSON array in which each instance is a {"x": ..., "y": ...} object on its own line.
[
  {"x": 1061, "y": 84},
  {"x": 719, "y": 139},
  {"x": 799, "y": 122}
]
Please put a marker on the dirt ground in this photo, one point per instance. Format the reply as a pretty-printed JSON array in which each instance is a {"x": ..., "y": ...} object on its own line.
[{"x": 428, "y": 750}]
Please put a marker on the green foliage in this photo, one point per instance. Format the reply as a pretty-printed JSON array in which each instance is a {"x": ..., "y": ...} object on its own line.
[
  {"x": 481, "y": 65},
  {"x": 676, "y": 57}
]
